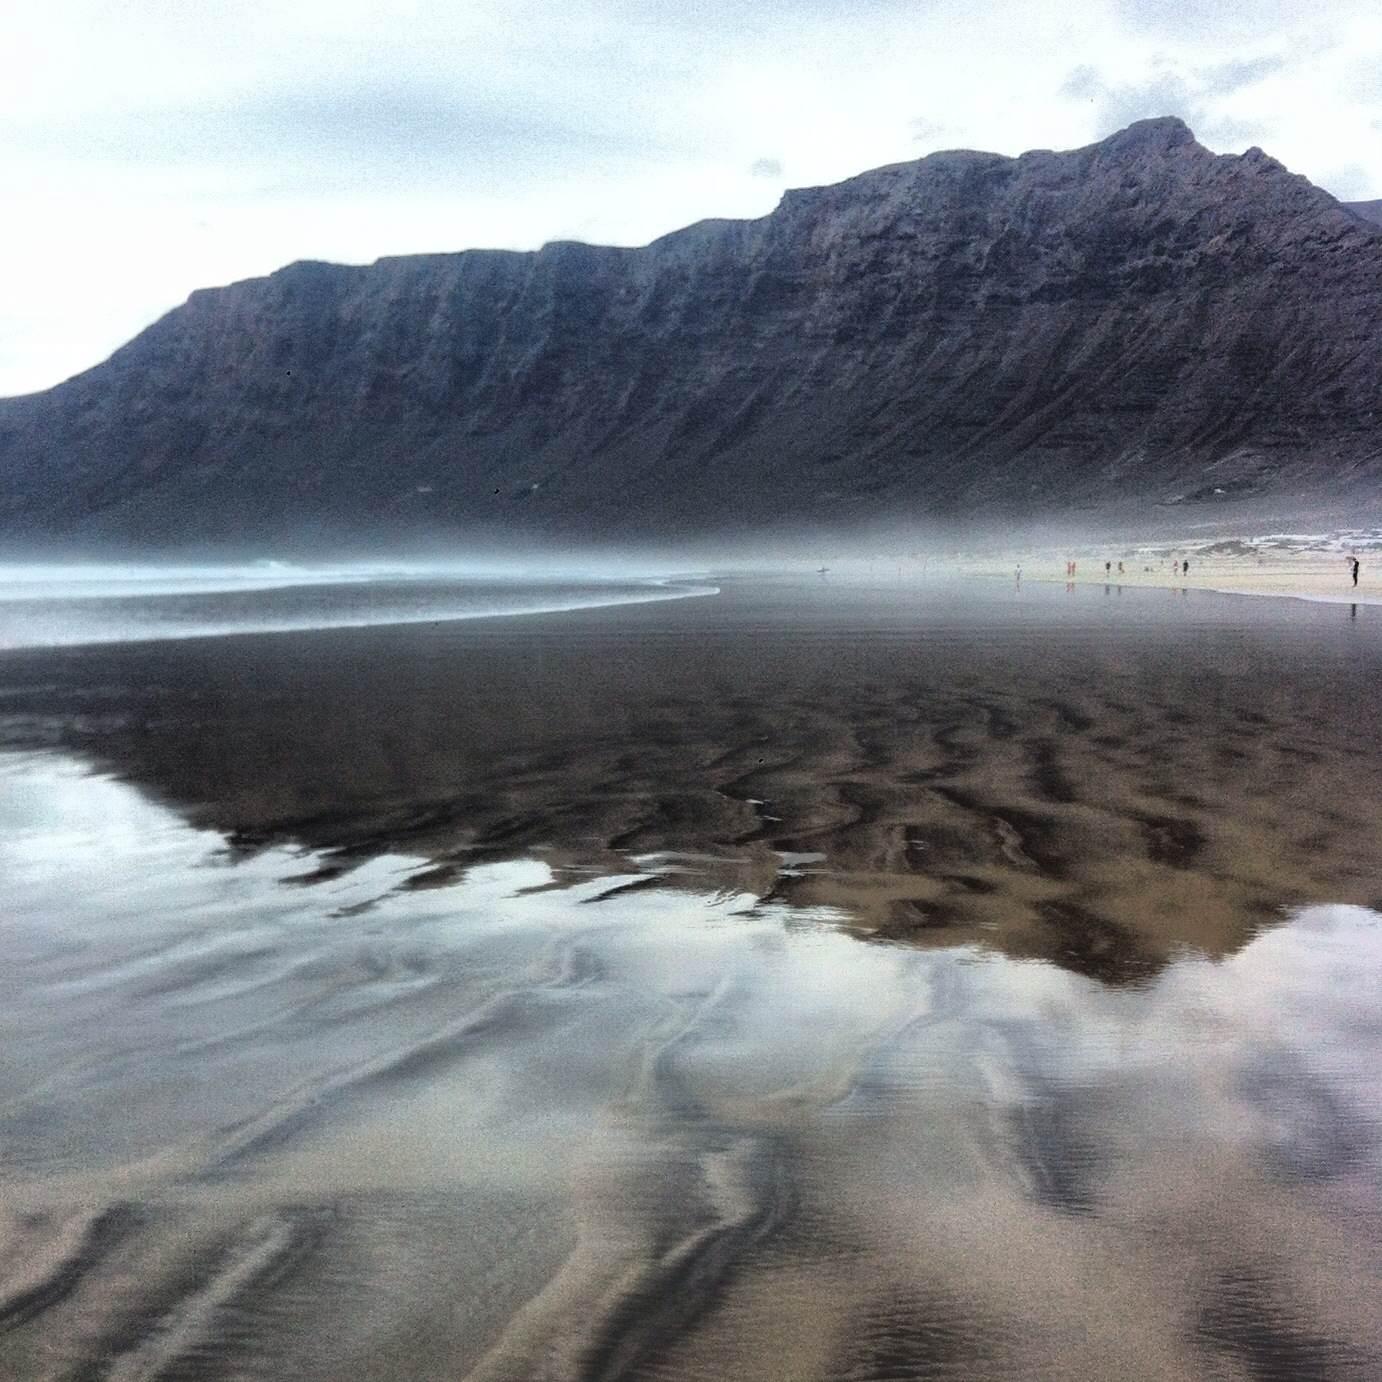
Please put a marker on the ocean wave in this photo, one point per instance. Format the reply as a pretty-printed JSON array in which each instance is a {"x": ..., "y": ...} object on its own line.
[{"x": 74, "y": 615}]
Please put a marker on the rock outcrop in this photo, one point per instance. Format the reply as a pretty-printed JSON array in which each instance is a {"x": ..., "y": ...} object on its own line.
[{"x": 1138, "y": 319}]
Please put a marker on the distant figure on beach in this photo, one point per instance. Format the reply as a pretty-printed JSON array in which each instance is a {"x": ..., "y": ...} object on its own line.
[
  {"x": 1108, "y": 566},
  {"x": 1185, "y": 568},
  {"x": 1120, "y": 568},
  {"x": 1354, "y": 560}
]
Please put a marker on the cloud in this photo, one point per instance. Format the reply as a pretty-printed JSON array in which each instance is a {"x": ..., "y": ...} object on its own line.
[
  {"x": 1200, "y": 20},
  {"x": 1195, "y": 94},
  {"x": 766, "y": 168},
  {"x": 923, "y": 130},
  {"x": 331, "y": 134},
  {"x": 1226, "y": 77},
  {"x": 1350, "y": 183}
]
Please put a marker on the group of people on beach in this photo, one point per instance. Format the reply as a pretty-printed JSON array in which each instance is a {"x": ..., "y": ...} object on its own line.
[
  {"x": 1108, "y": 568},
  {"x": 1184, "y": 565}
]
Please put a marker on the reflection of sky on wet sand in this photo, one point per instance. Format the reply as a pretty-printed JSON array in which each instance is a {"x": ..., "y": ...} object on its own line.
[{"x": 663, "y": 1128}]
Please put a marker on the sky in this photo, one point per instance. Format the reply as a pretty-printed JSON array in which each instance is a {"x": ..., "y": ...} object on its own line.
[{"x": 152, "y": 147}]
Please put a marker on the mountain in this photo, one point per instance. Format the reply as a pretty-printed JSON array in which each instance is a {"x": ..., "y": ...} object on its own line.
[
  {"x": 1138, "y": 321},
  {"x": 1369, "y": 211}
]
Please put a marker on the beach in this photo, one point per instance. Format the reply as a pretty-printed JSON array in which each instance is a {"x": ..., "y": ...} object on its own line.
[
  {"x": 1287, "y": 566},
  {"x": 820, "y": 979}
]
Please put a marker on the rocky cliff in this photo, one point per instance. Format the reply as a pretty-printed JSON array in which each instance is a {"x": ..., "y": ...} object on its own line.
[{"x": 966, "y": 333}]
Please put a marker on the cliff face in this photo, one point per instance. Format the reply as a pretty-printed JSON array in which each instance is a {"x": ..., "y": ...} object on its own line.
[{"x": 966, "y": 333}]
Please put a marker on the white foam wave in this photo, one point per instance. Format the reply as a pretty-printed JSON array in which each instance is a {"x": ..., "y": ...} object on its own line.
[{"x": 94, "y": 616}]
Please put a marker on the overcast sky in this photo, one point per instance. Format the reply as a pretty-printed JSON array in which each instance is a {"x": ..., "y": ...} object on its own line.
[{"x": 150, "y": 147}]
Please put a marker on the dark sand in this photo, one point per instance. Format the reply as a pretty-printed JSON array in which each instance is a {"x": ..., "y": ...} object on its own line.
[{"x": 805, "y": 983}]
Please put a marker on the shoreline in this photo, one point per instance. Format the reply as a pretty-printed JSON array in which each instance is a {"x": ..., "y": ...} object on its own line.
[{"x": 1320, "y": 577}]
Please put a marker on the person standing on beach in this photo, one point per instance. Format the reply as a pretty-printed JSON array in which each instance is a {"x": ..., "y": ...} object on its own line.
[
  {"x": 1185, "y": 568},
  {"x": 1354, "y": 560}
]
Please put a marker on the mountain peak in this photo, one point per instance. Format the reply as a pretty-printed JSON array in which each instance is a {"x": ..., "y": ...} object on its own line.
[{"x": 1161, "y": 135}]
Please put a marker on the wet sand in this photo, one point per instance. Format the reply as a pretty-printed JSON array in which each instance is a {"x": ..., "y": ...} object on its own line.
[
  {"x": 810, "y": 982},
  {"x": 1058, "y": 774}
]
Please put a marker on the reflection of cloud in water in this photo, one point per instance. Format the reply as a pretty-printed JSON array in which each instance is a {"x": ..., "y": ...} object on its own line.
[{"x": 667, "y": 1124}]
